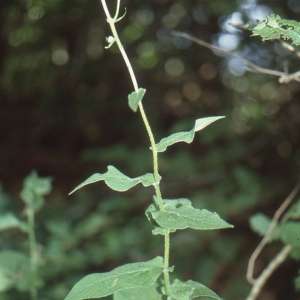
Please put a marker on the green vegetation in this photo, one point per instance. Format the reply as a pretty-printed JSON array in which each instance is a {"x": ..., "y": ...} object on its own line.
[
  {"x": 63, "y": 113},
  {"x": 167, "y": 216}
]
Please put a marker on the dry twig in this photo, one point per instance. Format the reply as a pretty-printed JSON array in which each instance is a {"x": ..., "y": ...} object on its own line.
[
  {"x": 280, "y": 257},
  {"x": 283, "y": 76}
]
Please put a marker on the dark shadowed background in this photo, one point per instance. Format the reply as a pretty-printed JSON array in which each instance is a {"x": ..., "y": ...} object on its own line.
[{"x": 64, "y": 113}]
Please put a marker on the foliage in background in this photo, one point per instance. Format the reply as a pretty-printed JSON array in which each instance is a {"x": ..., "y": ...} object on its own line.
[{"x": 19, "y": 270}]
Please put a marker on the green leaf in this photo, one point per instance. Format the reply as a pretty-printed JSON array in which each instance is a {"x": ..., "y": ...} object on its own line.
[
  {"x": 135, "y": 98},
  {"x": 190, "y": 289},
  {"x": 9, "y": 220},
  {"x": 273, "y": 27},
  {"x": 290, "y": 233},
  {"x": 117, "y": 180},
  {"x": 14, "y": 268},
  {"x": 129, "y": 276},
  {"x": 148, "y": 293},
  {"x": 260, "y": 223},
  {"x": 186, "y": 136},
  {"x": 294, "y": 212},
  {"x": 34, "y": 188},
  {"x": 180, "y": 214},
  {"x": 295, "y": 253}
]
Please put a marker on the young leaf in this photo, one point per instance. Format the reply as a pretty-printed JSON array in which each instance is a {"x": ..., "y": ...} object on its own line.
[
  {"x": 186, "y": 136},
  {"x": 180, "y": 214},
  {"x": 117, "y": 180},
  {"x": 34, "y": 188},
  {"x": 148, "y": 293},
  {"x": 129, "y": 276},
  {"x": 135, "y": 98},
  {"x": 190, "y": 289},
  {"x": 259, "y": 223}
]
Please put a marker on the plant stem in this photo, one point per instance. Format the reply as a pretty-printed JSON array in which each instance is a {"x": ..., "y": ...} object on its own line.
[
  {"x": 112, "y": 22},
  {"x": 166, "y": 262},
  {"x": 155, "y": 157},
  {"x": 33, "y": 254}
]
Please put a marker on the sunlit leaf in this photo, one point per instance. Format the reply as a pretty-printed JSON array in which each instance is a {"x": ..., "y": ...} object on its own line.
[
  {"x": 186, "y": 136},
  {"x": 135, "y": 98},
  {"x": 117, "y": 180},
  {"x": 190, "y": 289},
  {"x": 129, "y": 276}
]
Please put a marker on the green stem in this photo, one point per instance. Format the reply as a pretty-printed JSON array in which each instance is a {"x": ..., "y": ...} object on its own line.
[
  {"x": 112, "y": 22},
  {"x": 155, "y": 157},
  {"x": 33, "y": 254},
  {"x": 166, "y": 262}
]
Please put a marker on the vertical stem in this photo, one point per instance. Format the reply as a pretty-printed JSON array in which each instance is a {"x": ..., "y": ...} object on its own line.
[
  {"x": 33, "y": 254},
  {"x": 155, "y": 157},
  {"x": 166, "y": 262},
  {"x": 111, "y": 21}
]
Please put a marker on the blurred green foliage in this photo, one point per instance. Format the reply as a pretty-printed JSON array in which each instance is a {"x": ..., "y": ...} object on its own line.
[{"x": 60, "y": 90}]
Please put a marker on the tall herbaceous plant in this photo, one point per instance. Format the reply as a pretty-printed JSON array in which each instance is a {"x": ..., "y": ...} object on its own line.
[{"x": 140, "y": 280}]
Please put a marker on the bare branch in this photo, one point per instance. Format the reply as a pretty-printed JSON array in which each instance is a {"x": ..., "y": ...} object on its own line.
[
  {"x": 265, "y": 239},
  {"x": 284, "y": 77},
  {"x": 267, "y": 272},
  {"x": 240, "y": 26},
  {"x": 289, "y": 47}
]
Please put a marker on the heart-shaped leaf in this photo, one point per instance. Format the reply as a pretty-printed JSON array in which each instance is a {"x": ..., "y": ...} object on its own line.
[{"x": 135, "y": 98}]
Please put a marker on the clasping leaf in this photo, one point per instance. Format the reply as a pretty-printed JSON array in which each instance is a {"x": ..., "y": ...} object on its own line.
[
  {"x": 117, "y": 180},
  {"x": 129, "y": 276},
  {"x": 186, "y": 136},
  {"x": 135, "y": 98}
]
